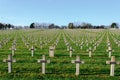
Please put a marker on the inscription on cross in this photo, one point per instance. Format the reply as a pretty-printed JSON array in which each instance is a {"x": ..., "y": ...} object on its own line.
[
  {"x": 9, "y": 60},
  {"x": 43, "y": 61},
  {"x": 112, "y": 62},
  {"x": 77, "y": 62}
]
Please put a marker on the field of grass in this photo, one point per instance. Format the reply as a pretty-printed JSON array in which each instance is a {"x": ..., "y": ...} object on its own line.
[{"x": 60, "y": 67}]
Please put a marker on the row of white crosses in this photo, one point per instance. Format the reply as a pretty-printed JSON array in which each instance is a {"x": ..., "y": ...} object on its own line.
[
  {"x": 77, "y": 61},
  {"x": 10, "y": 60}
]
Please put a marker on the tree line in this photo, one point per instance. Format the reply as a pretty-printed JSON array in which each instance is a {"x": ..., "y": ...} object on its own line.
[
  {"x": 6, "y": 26},
  {"x": 74, "y": 26},
  {"x": 70, "y": 25}
]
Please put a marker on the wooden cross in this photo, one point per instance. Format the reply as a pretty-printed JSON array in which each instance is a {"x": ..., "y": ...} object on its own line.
[
  {"x": 51, "y": 51},
  {"x": 112, "y": 62},
  {"x": 9, "y": 60},
  {"x": 13, "y": 50},
  {"x": 78, "y": 62},
  {"x": 43, "y": 61},
  {"x": 90, "y": 51},
  {"x": 32, "y": 51},
  {"x": 110, "y": 51}
]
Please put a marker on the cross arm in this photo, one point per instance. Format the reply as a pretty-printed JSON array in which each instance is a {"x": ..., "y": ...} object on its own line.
[{"x": 43, "y": 61}]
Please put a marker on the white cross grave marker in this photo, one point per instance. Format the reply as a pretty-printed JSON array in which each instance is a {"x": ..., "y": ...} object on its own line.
[
  {"x": 112, "y": 62},
  {"x": 81, "y": 45},
  {"x": 43, "y": 61},
  {"x": 95, "y": 45},
  {"x": 9, "y": 60},
  {"x": 90, "y": 51},
  {"x": 78, "y": 62},
  {"x": 71, "y": 50},
  {"x": 13, "y": 50},
  {"x": 27, "y": 44},
  {"x": 32, "y": 51},
  {"x": 51, "y": 51},
  {"x": 68, "y": 46},
  {"x": 41, "y": 45},
  {"x": 110, "y": 51}
]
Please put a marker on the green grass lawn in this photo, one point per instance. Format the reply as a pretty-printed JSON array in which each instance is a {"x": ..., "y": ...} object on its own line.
[{"x": 60, "y": 67}]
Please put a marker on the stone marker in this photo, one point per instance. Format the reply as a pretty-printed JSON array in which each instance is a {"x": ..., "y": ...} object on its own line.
[
  {"x": 108, "y": 43},
  {"x": 87, "y": 43},
  {"x": 76, "y": 43},
  {"x": 13, "y": 50},
  {"x": 81, "y": 45},
  {"x": 112, "y": 62},
  {"x": 110, "y": 51},
  {"x": 95, "y": 45},
  {"x": 32, "y": 51},
  {"x": 51, "y": 51},
  {"x": 43, "y": 61},
  {"x": 90, "y": 51},
  {"x": 78, "y": 62},
  {"x": 68, "y": 46},
  {"x": 9, "y": 60},
  {"x": 71, "y": 50},
  {"x": 41, "y": 45},
  {"x": 118, "y": 43},
  {"x": 27, "y": 44}
]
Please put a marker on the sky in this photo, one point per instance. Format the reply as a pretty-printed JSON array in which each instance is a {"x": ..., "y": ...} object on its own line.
[{"x": 59, "y": 12}]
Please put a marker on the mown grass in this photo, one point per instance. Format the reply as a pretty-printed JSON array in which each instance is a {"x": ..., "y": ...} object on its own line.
[{"x": 60, "y": 68}]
